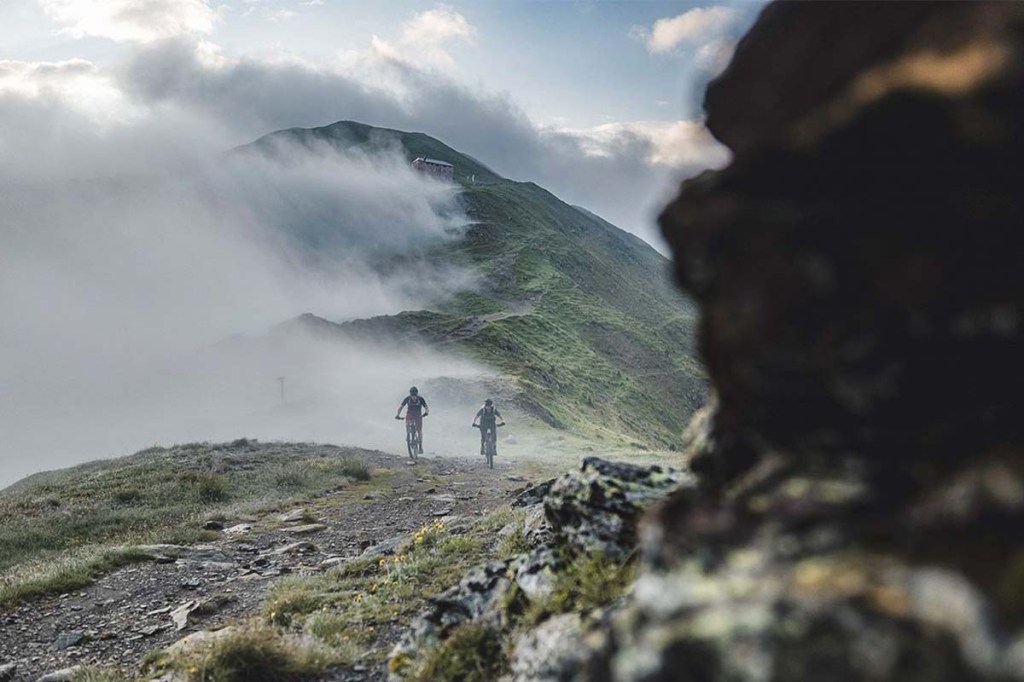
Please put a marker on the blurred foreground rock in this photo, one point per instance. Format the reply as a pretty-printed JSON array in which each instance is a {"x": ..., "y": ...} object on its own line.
[{"x": 860, "y": 270}]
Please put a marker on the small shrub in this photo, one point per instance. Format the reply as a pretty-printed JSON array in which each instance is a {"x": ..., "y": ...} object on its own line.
[
  {"x": 208, "y": 488},
  {"x": 95, "y": 674},
  {"x": 292, "y": 477},
  {"x": 346, "y": 638},
  {"x": 472, "y": 653},
  {"x": 513, "y": 544},
  {"x": 127, "y": 496},
  {"x": 591, "y": 581},
  {"x": 290, "y": 599},
  {"x": 254, "y": 653},
  {"x": 355, "y": 469}
]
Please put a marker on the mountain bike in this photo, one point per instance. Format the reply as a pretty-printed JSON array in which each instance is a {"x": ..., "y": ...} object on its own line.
[
  {"x": 490, "y": 443},
  {"x": 413, "y": 439}
]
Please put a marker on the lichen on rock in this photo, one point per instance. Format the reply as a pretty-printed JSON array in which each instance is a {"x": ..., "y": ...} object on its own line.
[
  {"x": 586, "y": 514},
  {"x": 860, "y": 513}
]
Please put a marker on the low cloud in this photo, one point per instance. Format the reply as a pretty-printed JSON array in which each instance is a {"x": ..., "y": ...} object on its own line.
[
  {"x": 114, "y": 273},
  {"x": 636, "y": 165},
  {"x": 672, "y": 144}
]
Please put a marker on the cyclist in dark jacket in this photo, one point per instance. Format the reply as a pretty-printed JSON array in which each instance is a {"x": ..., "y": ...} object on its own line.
[
  {"x": 487, "y": 417},
  {"x": 415, "y": 410}
]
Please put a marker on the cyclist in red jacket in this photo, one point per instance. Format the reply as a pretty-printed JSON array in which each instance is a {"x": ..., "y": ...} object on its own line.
[{"x": 415, "y": 410}]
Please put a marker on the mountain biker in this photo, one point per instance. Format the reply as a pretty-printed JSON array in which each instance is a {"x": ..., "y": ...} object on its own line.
[
  {"x": 415, "y": 410},
  {"x": 487, "y": 416}
]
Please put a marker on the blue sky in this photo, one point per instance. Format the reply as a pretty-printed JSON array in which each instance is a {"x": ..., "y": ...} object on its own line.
[{"x": 569, "y": 63}]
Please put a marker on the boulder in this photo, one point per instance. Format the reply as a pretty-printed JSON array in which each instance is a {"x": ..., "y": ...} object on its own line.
[
  {"x": 386, "y": 547},
  {"x": 536, "y": 572},
  {"x": 592, "y": 510},
  {"x": 294, "y": 516},
  {"x": 66, "y": 640},
  {"x": 858, "y": 271},
  {"x": 479, "y": 597},
  {"x": 533, "y": 495},
  {"x": 300, "y": 547},
  {"x": 552, "y": 652},
  {"x": 62, "y": 675},
  {"x": 305, "y": 529},
  {"x": 596, "y": 509}
]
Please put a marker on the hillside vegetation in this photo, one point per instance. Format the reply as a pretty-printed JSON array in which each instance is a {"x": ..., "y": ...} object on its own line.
[
  {"x": 58, "y": 530},
  {"x": 580, "y": 314}
]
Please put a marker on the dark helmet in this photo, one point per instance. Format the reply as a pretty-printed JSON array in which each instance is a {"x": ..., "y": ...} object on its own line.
[
  {"x": 488, "y": 402},
  {"x": 414, "y": 390}
]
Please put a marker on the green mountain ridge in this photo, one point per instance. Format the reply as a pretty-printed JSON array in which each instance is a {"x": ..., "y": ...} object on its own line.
[{"x": 582, "y": 316}]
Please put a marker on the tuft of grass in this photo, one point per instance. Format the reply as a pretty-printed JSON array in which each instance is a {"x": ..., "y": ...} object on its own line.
[
  {"x": 513, "y": 544},
  {"x": 208, "y": 487},
  {"x": 335, "y": 631},
  {"x": 290, "y": 599},
  {"x": 354, "y": 469},
  {"x": 64, "y": 574},
  {"x": 346, "y": 608},
  {"x": 472, "y": 653},
  {"x": 590, "y": 581},
  {"x": 253, "y": 653},
  {"x": 99, "y": 674}
]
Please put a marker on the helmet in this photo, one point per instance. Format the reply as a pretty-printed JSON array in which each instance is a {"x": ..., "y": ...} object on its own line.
[
  {"x": 414, "y": 390},
  {"x": 488, "y": 402}
]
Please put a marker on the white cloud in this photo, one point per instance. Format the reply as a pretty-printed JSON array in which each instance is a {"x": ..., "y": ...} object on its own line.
[
  {"x": 674, "y": 144},
  {"x": 76, "y": 84},
  {"x": 281, "y": 15},
  {"x": 695, "y": 27},
  {"x": 131, "y": 20},
  {"x": 437, "y": 27},
  {"x": 425, "y": 41}
]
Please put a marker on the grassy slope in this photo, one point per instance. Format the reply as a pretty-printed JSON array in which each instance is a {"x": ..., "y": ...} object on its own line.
[
  {"x": 580, "y": 313},
  {"x": 59, "y": 529}
]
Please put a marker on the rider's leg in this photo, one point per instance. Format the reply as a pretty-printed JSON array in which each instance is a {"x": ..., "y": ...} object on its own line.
[{"x": 483, "y": 439}]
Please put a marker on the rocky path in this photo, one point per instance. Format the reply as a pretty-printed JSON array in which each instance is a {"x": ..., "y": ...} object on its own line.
[{"x": 148, "y": 605}]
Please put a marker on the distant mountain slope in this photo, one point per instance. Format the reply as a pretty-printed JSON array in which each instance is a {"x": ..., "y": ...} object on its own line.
[{"x": 582, "y": 315}]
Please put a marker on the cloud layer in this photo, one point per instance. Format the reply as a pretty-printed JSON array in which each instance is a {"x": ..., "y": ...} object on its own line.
[
  {"x": 130, "y": 237},
  {"x": 125, "y": 253}
]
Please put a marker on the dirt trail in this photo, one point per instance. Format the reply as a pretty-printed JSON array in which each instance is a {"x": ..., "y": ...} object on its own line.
[{"x": 123, "y": 615}]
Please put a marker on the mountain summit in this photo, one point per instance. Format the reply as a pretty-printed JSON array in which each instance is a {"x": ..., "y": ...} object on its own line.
[{"x": 580, "y": 315}]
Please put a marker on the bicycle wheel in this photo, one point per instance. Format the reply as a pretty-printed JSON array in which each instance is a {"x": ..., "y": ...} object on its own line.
[
  {"x": 410, "y": 442},
  {"x": 490, "y": 450}
]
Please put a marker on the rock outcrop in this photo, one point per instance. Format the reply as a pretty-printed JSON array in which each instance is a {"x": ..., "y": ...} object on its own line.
[
  {"x": 592, "y": 512},
  {"x": 860, "y": 514}
]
